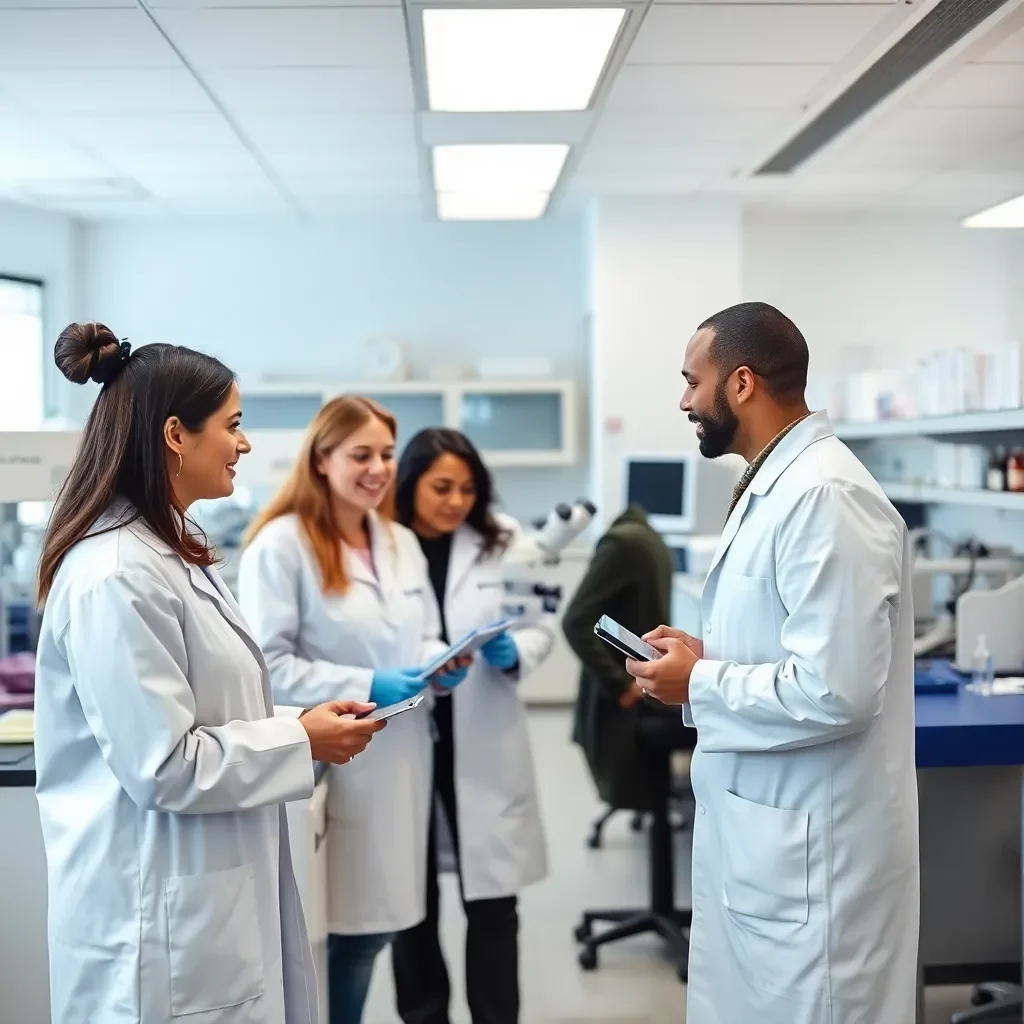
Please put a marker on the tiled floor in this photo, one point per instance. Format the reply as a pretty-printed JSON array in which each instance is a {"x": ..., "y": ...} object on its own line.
[{"x": 634, "y": 983}]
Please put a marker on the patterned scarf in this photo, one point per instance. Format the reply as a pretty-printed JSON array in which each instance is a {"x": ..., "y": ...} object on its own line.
[{"x": 751, "y": 471}]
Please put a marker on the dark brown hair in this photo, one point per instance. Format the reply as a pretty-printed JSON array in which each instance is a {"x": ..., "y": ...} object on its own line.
[
  {"x": 422, "y": 451},
  {"x": 306, "y": 492},
  {"x": 122, "y": 453}
]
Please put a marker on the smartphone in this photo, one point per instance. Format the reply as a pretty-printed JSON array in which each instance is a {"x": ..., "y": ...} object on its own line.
[
  {"x": 382, "y": 714},
  {"x": 624, "y": 641}
]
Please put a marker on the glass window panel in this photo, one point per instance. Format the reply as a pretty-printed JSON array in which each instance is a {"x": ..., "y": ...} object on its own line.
[{"x": 518, "y": 421}]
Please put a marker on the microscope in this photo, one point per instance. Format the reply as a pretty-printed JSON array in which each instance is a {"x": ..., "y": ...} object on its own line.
[{"x": 540, "y": 549}]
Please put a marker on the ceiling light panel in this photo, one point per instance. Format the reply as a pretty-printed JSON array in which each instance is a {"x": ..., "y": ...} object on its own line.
[
  {"x": 1006, "y": 215},
  {"x": 501, "y": 59},
  {"x": 498, "y": 168},
  {"x": 492, "y": 206},
  {"x": 496, "y": 182}
]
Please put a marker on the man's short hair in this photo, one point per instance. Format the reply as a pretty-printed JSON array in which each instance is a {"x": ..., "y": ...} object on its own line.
[{"x": 758, "y": 336}]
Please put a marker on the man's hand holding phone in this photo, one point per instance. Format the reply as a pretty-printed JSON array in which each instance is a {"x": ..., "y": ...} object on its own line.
[{"x": 668, "y": 678}]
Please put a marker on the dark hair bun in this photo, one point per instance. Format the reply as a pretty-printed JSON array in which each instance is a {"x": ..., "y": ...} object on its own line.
[{"x": 88, "y": 351}]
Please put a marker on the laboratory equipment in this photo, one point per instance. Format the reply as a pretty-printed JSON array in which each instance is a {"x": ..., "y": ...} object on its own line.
[
  {"x": 33, "y": 465},
  {"x": 540, "y": 549},
  {"x": 982, "y": 674},
  {"x": 969, "y": 564},
  {"x": 996, "y": 617},
  {"x": 680, "y": 493}
]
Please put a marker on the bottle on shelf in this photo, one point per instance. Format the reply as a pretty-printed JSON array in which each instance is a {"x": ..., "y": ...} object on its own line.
[
  {"x": 995, "y": 478},
  {"x": 982, "y": 674},
  {"x": 1015, "y": 471}
]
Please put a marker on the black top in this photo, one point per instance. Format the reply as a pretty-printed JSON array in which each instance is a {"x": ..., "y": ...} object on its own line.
[
  {"x": 17, "y": 765},
  {"x": 438, "y": 551}
]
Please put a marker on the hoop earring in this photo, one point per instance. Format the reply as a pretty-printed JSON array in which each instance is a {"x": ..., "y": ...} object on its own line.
[{"x": 179, "y": 465}]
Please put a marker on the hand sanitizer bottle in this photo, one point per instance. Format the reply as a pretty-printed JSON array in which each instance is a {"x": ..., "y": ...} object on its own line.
[{"x": 982, "y": 676}]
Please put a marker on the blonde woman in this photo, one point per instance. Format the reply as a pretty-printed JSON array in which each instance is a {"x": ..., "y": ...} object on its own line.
[{"x": 338, "y": 597}]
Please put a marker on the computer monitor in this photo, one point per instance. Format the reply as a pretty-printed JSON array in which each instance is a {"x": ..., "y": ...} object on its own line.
[{"x": 680, "y": 493}]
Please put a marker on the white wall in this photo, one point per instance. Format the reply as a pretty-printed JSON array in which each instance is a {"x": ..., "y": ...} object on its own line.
[
  {"x": 44, "y": 246},
  {"x": 903, "y": 286},
  {"x": 279, "y": 297},
  {"x": 658, "y": 267}
]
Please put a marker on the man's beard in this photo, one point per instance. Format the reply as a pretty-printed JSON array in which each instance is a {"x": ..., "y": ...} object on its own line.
[{"x": 719, "y": 425}]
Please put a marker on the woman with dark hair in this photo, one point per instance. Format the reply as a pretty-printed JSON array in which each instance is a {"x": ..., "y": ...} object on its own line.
[
  {"x": 483, "y": 767},
  {"x": 161, "y": 767}
]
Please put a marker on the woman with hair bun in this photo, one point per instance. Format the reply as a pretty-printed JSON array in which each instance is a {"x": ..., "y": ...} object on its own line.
[{"x": 161, "y": 765}]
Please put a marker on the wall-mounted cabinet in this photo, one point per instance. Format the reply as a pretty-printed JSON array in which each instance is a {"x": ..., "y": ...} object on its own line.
[{"x": 513, "y": 422}]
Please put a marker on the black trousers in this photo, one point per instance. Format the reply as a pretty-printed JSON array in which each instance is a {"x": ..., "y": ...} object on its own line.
[{"x": 422, "y": 987}]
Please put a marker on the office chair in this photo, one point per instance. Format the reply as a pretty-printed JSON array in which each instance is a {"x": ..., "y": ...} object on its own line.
[
  {"x": 661, "y": 736},
  {"x": 994, "y": 1000},
  {"x": 679, "y": 802},
  {"x": 595, "y": 837}
]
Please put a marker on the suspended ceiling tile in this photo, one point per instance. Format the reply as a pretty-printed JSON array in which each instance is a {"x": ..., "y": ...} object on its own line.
[
  {"x": 313, "y": 90},
  {"x": 159, "y": 131},
  {"x": 43, "y": 39},
  {"x": 345, "y": 131},
  {"x": 713, "y": 86},
  {"x": 107, "y": 91},
  {"x": 979, "y": 85},
  {"x": 368, "y": 37},
  {"x": 753, "y": 34}
]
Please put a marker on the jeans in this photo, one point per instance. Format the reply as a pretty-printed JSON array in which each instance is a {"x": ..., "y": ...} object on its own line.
[
  {"x": 492, "y": 929},
  {"x": 349, "y": 970}
]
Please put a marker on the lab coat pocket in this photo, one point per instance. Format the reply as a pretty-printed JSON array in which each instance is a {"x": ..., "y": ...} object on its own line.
[
  {"x": 765, "y": 861},
  {"x": 216, "y": 955}
]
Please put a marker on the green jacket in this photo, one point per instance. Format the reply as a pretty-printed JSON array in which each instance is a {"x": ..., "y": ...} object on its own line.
[{"x": 630, "y": 579}]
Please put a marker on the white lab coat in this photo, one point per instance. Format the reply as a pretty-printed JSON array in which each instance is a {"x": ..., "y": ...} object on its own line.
[
  {"x": 161, "y": 774},
  {"x": 805, "y": 847},
  {"x": 501, "y": 837},
  {"x": 327, "y": 647}
]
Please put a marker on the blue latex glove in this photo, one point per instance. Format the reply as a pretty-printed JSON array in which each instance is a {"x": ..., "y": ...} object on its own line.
[
  {"x": 501, "y": 652},
  {"x": 449, "y": 680},
  {"x": 392, "y": 685}
]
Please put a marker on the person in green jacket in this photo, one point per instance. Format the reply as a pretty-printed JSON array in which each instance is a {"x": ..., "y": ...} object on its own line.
[{"x": 630, "y": 579}]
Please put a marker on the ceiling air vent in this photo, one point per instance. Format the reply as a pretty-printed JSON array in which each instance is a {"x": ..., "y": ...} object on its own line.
[{"x": 935, "y": 33}]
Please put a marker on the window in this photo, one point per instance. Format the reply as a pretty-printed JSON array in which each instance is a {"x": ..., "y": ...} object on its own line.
[{"x": 21, "y": 354}]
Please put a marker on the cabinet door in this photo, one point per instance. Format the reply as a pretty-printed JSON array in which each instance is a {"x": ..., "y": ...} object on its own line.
[
  {"x": 413, "y": 412},
  {"x": 513, "y": 421},
  {"x": 276, "y": 412}
]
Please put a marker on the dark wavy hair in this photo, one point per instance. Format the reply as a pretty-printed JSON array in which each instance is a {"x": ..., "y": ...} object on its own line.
[{"x": 422, "y": 451}]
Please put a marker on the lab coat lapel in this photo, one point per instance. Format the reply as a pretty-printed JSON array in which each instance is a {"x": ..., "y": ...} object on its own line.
[
  {"x": 794, "y": 444},
  {"x": 732, "y": 525},
  {"x": 466, "y": 547},
  {"x": 382, "y": 547},
  {"x": 216, "y": 590}
]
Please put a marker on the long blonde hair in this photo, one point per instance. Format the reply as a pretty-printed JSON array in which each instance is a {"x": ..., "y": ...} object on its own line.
[{"x": 307, "y": 494}]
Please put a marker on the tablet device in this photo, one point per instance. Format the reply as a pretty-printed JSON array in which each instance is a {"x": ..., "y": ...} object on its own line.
[
  {"x": 469, "y": 644},
  {"x": 382, "y": 714},
  {"x": 624, "y": 641}
]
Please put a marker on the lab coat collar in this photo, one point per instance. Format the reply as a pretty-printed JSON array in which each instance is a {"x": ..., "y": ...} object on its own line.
[
  {"x": 382, "y": 548},
  {"x": 814, "y": 428},
  {"x": 467, "y": 545}
]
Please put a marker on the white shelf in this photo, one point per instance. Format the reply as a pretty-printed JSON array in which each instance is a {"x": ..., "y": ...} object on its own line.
[
  {"x": 971, "y": 424},
  {"x": 1006, "y": 500}
]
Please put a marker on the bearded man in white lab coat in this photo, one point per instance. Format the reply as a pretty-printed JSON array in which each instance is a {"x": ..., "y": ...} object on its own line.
[{"x": 805, "y": 848}]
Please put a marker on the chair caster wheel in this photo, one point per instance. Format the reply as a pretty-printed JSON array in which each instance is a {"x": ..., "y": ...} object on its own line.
[
  {"x": 583, "y": 932},
  {"x": 588, "y": 958}
]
